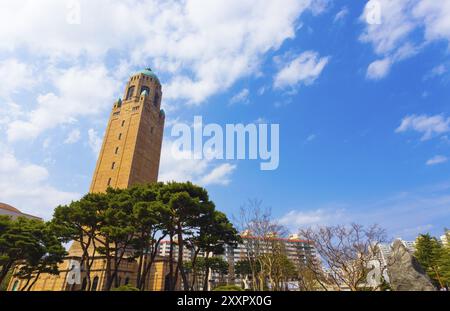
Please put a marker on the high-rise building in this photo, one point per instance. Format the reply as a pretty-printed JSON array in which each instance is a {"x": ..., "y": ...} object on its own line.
[
  {"x": 131, "y": 147},
  {"x": 446, "y": 237},
  {"x": 297, "y": 250}
]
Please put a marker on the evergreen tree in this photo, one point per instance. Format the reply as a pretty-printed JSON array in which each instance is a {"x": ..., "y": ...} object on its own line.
[
  {"x": 6, "y": 257},
  {"x": 429, "y": 252},
  {"x": 79, "y": 222},
  {"x": 128, "y": 224},
  {"x": 32, "y": 245}
]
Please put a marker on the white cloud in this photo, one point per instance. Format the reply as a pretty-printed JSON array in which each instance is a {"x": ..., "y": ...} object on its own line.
[
  {"x": 25, "y": 186},
  {"x": 9, "y": 111},
  {"x": 241, "y": 97},
  {"x": 78, "y": 95},
  {"x": 392, "y": 38},
  {"x": 46, "y": 143},
  {"x": 379, "y": 69},
  {"x": 220, "y": 175},
  {"x": 73, "y": 137},
  {"x": 304, "y": 68},
  {"x": 429, "y": 126},
  {"x": 396, "y": 25},
  {"x": 181, "y": 166},
  {"x": 43, "y": 27},
  {"x": 405, "y": 214},
  {"x": 437, "y": 71},
  {"x": 435, "y": 15},
  {"x": 261, "y": 90},
  {"x": 299, "y": 219},
  {"x": 439, "y": 159},
  {"x": 94, "y": 141},
  {"x": 16, "y": 76},
  {"x": 311, "y": 137},
  {"x": 205, "y": 46},
  {"x": 214, "y": 43},
  {"x": 341, "y": 15}
]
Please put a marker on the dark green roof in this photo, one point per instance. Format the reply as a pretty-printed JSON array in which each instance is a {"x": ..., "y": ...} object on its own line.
[{"x": 148, "y": 72}]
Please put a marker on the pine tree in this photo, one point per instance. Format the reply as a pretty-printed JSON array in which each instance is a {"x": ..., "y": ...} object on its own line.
[
  {"x": 444, "y": 264},
  {"x": 429, "y": 253},
  {"x": 31, "y": 245}
]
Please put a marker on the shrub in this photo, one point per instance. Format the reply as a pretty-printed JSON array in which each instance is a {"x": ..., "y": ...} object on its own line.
[
  {"x": 228, "y": 288},
  {"x": 125, "y": 288}
]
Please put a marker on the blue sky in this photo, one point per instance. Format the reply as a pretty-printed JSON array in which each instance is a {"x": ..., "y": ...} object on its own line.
[{"x": 363, "y": 109}]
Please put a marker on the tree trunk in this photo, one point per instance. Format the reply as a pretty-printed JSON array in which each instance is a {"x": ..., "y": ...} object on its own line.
[
  {"x": 206, "y": 279},
  {"x": 194, "y": 269},
  {"x": 34, "y": 281},
  {"x": 180, "y": 259},
  {"x": 90, "y": 261},
  {"x": 441, "y": 284},
  {"x": 171, "y": 277},
  {"x": 85, "y": 263},
  {"x": 153, "y": 254},
  {"x": 140, "y": 270},
  {"x": 26, "y": 284},
  {"x": 117, "y": 261},
  {"x": 108, "y": 269}
]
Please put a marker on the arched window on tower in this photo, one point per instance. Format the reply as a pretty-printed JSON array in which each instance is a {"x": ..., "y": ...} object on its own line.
[
  {"x": 156, "y": 99},
  {"x": 130, "y": 92},
  {"x": 95, "y": 284},
  {"x": 84, "y": 284},
  {"x": 145, "y": 89}
]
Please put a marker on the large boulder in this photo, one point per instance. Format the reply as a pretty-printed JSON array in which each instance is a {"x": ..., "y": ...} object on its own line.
[{"x": 405, "y": 272}]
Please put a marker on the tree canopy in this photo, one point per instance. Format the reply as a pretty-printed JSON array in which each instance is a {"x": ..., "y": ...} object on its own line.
[
  {"x": 434, "y": 258},
  {"x": 31, "y": 244},
  {"x": 129, "y": 224}
]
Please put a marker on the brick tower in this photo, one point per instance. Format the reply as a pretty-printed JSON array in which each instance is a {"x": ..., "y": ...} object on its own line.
[
  {"x": 131, "y": 148},
  {"x": 129, "y": 155}
]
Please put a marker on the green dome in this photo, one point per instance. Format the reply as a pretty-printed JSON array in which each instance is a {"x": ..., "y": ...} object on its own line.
[{"x": 148, "y": 72}]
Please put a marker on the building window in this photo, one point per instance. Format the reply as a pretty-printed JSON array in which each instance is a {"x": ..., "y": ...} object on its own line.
[
  {"x": 109, "y": 182},
  {"x": 151, "y": 130},
  {"x": 127, "y": 280},
  {"x": 95, "y": 284},
  {"x": 145, "y": 89},
  {"x": 123, "y": 123},
  {"x": 120, "y": 136},
  {"x": 156, "y": 99},
  {"x": 117, "y": 150},
  {"x": 84, "y": 284},
  {"x": 113, "y": 165},
  {"x": 130, "y": 92}
]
